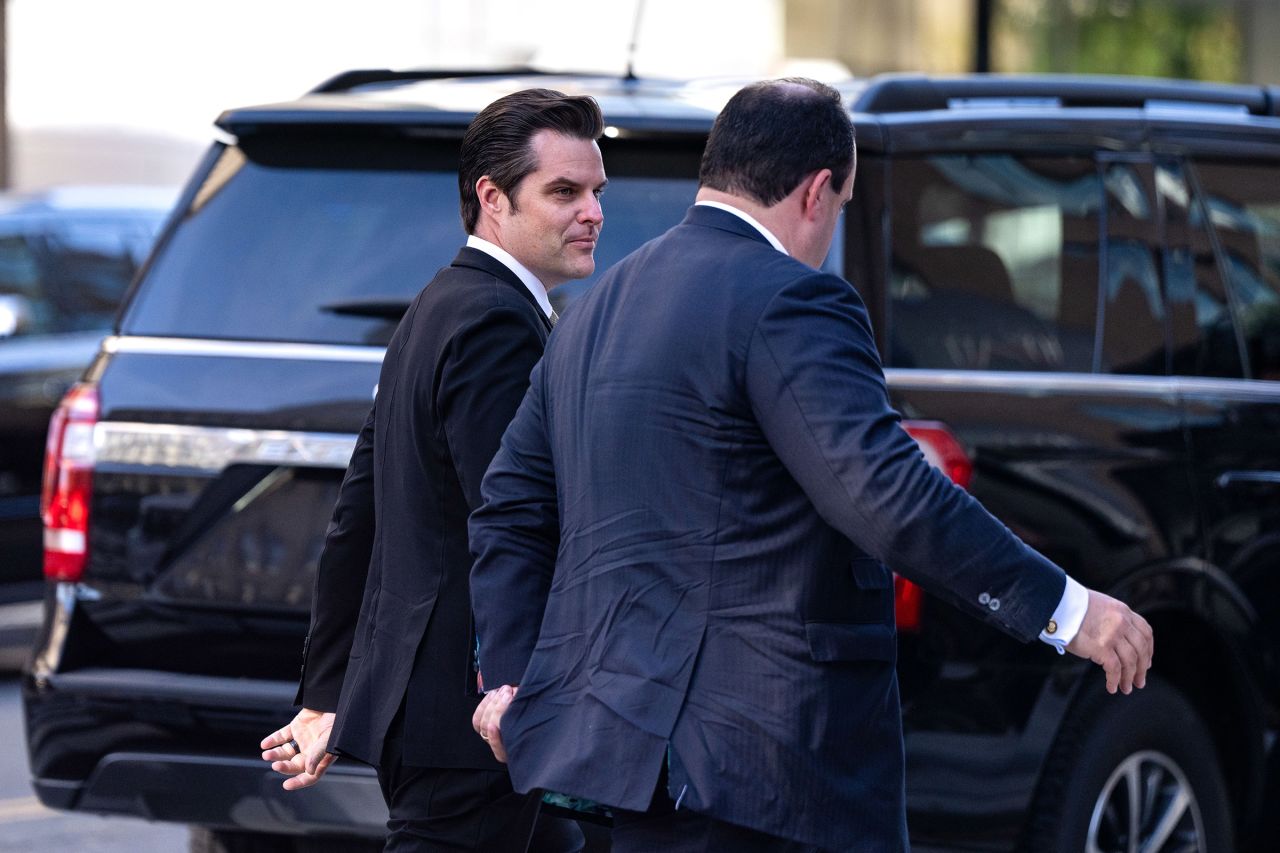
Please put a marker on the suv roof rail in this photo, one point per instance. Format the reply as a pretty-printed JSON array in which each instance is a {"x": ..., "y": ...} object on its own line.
[
  {"x": 348, "y": 80},
  {"x": 892, "y": 93}
]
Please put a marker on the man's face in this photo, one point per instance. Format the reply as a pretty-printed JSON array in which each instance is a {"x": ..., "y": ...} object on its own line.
[{"x": 555, "y": 220}]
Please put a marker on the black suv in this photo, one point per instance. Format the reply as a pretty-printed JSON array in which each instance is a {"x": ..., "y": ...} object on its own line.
[{"x": 1076, "y": 287}]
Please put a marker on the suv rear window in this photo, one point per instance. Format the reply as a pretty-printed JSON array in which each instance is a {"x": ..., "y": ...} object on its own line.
[{"x": 284, "y": 229}]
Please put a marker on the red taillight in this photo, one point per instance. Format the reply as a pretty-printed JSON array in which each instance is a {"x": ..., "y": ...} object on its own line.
[
  {"x": 908, "y": 601},
  {"x": 943, "y": 451},
  {"x": 68, "y": 484}
]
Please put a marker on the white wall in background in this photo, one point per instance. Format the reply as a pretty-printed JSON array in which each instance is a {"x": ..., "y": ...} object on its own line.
[{"x": 109, "y": 90}]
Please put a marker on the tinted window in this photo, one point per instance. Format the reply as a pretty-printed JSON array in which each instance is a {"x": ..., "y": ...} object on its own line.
[
  {"x": 1243, "y": 203},
  {"x": 1133, "y": 320},
  {"x": 994, "y": 262},
  {"x": 68, "y": 272},
  {"x": 1202, "y": 333},
  {"x": 284, "y": 230}
]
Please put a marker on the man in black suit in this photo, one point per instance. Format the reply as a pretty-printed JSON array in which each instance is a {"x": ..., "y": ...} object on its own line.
[
  {"x": 680, "y": 587},
  {"x": 393, "y": 683}
]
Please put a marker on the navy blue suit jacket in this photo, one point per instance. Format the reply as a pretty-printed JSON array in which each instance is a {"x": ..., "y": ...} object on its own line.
[{"x": 684, "y": 545}]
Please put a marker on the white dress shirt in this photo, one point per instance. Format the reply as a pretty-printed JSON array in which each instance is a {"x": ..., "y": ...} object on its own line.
[
  {"x": 528, "y": 279},
  {"x": 1069, "y": 613}
]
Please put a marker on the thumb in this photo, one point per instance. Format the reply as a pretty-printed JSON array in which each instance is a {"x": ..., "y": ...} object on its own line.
[{"x": 315, "y": 755}]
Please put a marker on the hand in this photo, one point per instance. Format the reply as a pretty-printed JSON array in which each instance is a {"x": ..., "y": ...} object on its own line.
[
  {"x": 1118, "y": 640},
  {"x": 487, "y": 720},
  {"x": 305, "y": 765}
]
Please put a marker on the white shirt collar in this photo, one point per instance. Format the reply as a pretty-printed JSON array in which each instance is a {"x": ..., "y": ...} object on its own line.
[
  {"x": 528, "y": 279},
  {"x": 764, "y": 232}
]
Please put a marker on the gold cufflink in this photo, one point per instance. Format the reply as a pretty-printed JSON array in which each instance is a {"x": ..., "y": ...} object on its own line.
[{"x": 1052, "y": 627}]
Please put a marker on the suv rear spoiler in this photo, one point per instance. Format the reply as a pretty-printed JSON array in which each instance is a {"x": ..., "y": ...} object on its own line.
[
  {"x": 895, "y": 93},
  {"x": 348, "y": 80}
]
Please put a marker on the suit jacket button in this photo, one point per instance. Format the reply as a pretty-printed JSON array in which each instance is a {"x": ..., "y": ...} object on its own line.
[
  {"x": 994, "y": 604},
  {"x": 984, "y": 599}
]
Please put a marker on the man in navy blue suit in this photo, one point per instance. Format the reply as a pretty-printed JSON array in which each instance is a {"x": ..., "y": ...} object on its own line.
[{"x": 682, "y": 553}]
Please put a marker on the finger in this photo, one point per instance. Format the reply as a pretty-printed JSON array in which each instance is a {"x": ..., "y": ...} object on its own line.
[
  {"x": 1149, "y": 639},
  {"x": 491, "y": 722},
  {"x": 1129, "y": 659},
  {"x": 287, "y": 768},
  {"x": 297, "y": 783},
  {"x": 317, "y": 764},
  {"x": 276, "y": 738},
  {"x": 499, "y": 751},
  {"x": 1110, "y": 663},
  {"x": 288, "y": 750},
  {"x": 1142, "y": 651}
]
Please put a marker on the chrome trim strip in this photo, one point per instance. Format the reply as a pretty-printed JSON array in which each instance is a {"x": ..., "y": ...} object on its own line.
[
  {"x": 1227, "y": 479},
  {"x": 213, "y": 449},
  {"x": 242, "y": 349},
  {"x": 1032, "y": 382}
]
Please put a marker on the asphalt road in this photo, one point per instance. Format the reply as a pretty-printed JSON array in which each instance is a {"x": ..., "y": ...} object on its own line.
[{"x": 27, "y": 826}]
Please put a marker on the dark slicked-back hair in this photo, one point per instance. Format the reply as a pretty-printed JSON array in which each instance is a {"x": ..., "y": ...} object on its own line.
[
  {"x": 772, "y": 134},
  {"x": 498, "y": 141}
]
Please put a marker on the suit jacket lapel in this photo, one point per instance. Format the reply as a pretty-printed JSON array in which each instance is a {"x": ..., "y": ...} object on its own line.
[{"x": 476, "y": 259}]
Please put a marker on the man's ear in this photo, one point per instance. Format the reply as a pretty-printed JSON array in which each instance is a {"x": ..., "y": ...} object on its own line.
[
  {"x": 493, "y": 201},
  {"x": 814, "y": 186}
]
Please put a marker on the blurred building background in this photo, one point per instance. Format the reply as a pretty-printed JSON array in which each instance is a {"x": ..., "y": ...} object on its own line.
[{"x": 118, "y": 91}]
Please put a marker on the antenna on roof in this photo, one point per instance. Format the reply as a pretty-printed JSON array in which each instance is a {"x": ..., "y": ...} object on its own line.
[{"x": 635, "y": 38}]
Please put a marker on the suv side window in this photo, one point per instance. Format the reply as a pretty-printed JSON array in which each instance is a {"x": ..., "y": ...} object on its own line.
[
  {"x": 1133, "y": 327},
  {"x": 1202, "y": 331},
  {"x": 994, "y": 262},
  {"x": 89, "y": 265},
  {"x": 22, "y": 311},
  {"x": 68, "y": 273},
  {"x": 1243, "y": 202}
]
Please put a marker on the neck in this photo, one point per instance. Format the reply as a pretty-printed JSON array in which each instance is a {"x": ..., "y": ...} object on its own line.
[{"x": 775, "y": 217}]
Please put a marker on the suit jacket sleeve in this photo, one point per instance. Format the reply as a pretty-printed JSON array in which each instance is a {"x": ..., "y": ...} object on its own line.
[
  {"x": 817, "y": 389},
  {"x": 514, "y": 537},
  {"x": 483, "y": 376},
  {"x": 341, "y": 573}
]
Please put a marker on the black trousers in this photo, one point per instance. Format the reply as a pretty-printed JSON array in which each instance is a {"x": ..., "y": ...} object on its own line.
[
  {"x": 663, "y": 827},
  {"x": 445, "y": 810}
]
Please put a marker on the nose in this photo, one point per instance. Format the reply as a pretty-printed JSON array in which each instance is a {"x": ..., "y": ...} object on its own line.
[{"x": 592, "y": 212}]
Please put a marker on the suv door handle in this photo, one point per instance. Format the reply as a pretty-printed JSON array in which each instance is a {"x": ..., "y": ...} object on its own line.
[{"x": 1230, "y": 479}]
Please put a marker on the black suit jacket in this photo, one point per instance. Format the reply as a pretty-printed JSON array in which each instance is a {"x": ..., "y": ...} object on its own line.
[
  {"x": 391, "y": 616},
  {"x": 682, "y": 552}
]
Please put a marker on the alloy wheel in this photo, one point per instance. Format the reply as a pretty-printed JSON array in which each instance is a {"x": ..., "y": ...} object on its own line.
[{"x": 1146, "y": 806}]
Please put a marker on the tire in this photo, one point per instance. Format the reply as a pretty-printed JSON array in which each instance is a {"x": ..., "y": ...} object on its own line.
[{"x": 1152, "y": 740}]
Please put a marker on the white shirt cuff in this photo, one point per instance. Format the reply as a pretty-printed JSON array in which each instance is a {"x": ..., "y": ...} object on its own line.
[{"x": 1067, "y": 618}]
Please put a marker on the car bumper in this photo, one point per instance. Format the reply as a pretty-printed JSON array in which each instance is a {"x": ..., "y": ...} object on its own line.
[{"x": 180, "y": 748}]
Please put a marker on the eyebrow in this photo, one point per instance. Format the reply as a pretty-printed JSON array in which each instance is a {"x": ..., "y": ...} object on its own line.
[{"x": 563, "y": 181}]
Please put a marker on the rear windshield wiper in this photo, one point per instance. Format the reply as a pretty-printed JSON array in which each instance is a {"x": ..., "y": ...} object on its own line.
[{"x": 386, "y": 307}]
